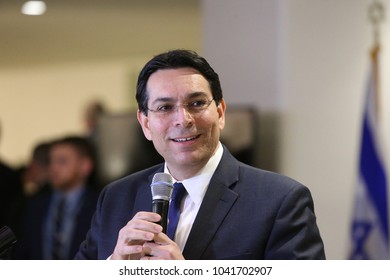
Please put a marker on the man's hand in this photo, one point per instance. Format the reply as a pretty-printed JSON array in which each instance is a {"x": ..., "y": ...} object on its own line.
[
  {"x": 161, "y": 248},
  {"x": 131, "y": 238},
  {"x": 143, "y": 239}
]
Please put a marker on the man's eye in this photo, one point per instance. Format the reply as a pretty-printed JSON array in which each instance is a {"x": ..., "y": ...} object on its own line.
[
  {"x": 198, "y": 103},
  {"x": 165, "y": 108}
]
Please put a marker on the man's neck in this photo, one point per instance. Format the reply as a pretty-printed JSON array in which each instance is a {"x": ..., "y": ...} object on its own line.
[
  {"x": 185, "y": 172},
  {"x": 71, "y": 188},
  {"x": 181, "y": 172}
]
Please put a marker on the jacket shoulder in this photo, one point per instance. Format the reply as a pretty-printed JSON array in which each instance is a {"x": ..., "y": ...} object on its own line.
[{"x": 135, "y": 179}]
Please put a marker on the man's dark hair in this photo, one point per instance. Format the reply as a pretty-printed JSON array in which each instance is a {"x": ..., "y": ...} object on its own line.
[
  {"x": 82, "y": 145},
  {"x": 173, "y": 60},
  {"x": 40, "y": 153}
]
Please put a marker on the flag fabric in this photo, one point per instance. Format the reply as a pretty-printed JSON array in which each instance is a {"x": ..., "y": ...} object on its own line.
[{"x": 370, "y": 226}]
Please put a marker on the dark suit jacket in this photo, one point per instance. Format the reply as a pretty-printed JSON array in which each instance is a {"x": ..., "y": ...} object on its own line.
[
  {"x": 10, "y": 193},
  {"x": 29, "y": 245},
  {"x": 247, "y": 213}
]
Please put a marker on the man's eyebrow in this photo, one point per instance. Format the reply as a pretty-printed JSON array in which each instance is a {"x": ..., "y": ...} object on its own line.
[
  {"x": 170, "y": 99},
  {"x": 163, "y": 99},
  {"x": 197, "y": 94}
]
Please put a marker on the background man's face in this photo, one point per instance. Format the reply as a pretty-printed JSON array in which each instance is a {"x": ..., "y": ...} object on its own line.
[{"x": 66, "y": 167}]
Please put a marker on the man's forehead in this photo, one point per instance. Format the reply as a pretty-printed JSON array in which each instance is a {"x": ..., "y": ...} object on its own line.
[
  {"x": 64, "y": 148},
  {"x": 176, "y": 77},
  {"x": 183, "y": 70},
  {"x": 169, "y": 83}
]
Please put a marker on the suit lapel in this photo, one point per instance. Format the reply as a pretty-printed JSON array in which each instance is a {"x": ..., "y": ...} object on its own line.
[
  {"x": 216, "y": 204},
  {"x": 143, "y": 202}
]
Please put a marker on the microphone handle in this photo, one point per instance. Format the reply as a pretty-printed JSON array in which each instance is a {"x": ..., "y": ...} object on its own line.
[
  {"x": 161, "y": 207},
  {"x": 7, "y": 240}
]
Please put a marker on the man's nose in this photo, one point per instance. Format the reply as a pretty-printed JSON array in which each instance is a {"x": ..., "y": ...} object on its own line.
[{"x": 183, "y": 116}]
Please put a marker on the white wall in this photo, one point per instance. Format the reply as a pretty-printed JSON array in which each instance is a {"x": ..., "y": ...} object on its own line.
[
  {"x": 240, "y": 41},
  {"x": 306, "y": 61},
  {"x": 327, "y": 67},
  {"x": 40, "y": 103}
]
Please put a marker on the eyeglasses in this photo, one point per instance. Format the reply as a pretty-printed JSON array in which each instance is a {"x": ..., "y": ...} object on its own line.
[{"x": 194, "y": 107}]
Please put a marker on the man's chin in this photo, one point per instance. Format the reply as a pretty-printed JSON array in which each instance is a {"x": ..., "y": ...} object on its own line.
[{"x": 60, "y": 187}]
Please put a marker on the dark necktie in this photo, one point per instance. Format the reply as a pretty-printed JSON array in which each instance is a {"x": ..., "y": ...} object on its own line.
[
  {"x": 57, "y": 235},
  {"x": 174, "y": 209}
]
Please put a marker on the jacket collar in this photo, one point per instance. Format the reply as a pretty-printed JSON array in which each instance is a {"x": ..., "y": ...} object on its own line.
[{"x": 219, "y": 199}]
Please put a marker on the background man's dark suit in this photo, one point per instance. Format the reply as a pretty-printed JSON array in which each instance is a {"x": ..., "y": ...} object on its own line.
[
  {"x": 10, "y": 193},
  {"x": 246, "y": 213},
  {"x": 30, "y": 244}
]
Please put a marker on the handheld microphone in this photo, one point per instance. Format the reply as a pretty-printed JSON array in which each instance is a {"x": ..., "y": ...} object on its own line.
[
  {"x": 162, "y": 187},
  {"x": 7, "y": 240}
]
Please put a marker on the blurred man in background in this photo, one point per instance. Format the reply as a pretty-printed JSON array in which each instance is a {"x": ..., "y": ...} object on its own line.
[
  {"x": 10, "y": 191},
  {"x": 32, "y": 179},
  {"x": 55, "y": 222},
  {"x": 35, "y": 175}
]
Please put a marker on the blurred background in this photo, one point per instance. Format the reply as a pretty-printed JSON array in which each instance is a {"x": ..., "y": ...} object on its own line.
[{"x": 293, "y": 71}]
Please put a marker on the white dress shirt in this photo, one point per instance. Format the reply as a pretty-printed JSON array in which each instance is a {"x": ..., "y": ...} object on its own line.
[{"x": 196, "y": 188}]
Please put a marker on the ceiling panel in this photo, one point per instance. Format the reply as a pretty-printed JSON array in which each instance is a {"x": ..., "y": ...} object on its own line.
[{"x": 73, "y": 30}]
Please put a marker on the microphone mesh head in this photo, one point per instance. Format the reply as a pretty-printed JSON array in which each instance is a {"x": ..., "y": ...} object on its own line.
[{"x": 162, "y": 186}]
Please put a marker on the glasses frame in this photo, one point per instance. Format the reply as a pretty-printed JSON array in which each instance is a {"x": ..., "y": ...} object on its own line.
[{"x": 186, "y": 106}]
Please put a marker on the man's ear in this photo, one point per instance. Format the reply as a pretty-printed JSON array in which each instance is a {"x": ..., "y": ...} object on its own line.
[
  {"x": 86, "y": 166},
  {"x": 221, "y": 112},
  {"x": 144, "y": 122}
]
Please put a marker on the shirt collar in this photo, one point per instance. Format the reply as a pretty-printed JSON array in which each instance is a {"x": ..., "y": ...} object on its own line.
[
  {"x": 70, "y": 197},
  {"x": 196, "y": 186}
]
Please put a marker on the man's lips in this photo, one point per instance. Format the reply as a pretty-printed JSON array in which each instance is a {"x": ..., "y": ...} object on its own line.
[{"x": 185, "y": 139}]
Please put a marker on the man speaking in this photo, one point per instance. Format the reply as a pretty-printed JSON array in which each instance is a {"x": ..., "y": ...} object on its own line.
[{"x": 225, "y": 210}]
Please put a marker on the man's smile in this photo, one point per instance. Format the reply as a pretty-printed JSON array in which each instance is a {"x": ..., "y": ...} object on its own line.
[{"x": 186, "y": 139}]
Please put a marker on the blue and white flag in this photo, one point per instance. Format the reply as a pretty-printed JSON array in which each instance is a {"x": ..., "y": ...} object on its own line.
[{"x": 370, "y": 226}]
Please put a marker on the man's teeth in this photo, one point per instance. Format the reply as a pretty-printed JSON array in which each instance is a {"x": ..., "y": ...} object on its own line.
[{"x": 184, "y": 139}]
